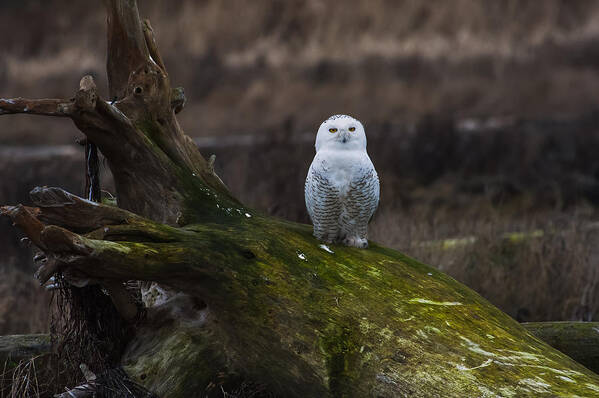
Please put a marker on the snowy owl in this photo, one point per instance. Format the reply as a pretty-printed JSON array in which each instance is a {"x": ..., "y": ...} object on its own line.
[{"x": 342, "y": 187}]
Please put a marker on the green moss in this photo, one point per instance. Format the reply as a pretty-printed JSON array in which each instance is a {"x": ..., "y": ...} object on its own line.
[
  {"x": 202, "y": 202},
  {"x": 308, "y": 322},
  {"x": 342, "y": 352},
  {"x": 159, "y": 350}
]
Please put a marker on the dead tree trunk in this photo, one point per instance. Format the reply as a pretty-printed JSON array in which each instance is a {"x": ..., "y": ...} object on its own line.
[{"x": 255, "y": 302}]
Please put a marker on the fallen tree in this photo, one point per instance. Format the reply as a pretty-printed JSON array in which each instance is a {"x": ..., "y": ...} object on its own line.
[
  {"x": 248, "y": 303},
  {"x": 578, "y": 340}
]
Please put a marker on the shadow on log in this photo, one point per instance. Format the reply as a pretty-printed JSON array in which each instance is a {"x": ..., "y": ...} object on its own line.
[{"x": 248, "y": 304}]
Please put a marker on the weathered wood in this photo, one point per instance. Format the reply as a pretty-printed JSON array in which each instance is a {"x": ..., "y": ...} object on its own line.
[
  {"x": 578, "y": 340},
  {"x": 86, "y": 217},
  {"x": 15, "y": 348},
  {"x": 152, "y": 46},
  {"x": 249, "y": 301},
  {"x": 127, "y": 50},
  {"x": 43, "y": 107}
]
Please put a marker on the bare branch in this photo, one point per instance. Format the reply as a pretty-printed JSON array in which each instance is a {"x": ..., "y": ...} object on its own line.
[
  {"x": 93, "y": 115},
  {"x": 47, "y": 269},
  {"x": 25, "y": 220},
  {"x": 45, "y": 107},
  {"x": 59, "y": 207},
  {"x": 87, "y": 95},
  {"x": 87, "y": 99},
  {"x": 152, "y": 46}
]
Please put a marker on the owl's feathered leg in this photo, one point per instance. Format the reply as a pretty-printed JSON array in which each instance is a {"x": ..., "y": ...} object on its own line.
[
  {"x": 328, "y": 233},
  {"x": 325, "y": 217},
  {"x": 354, "y": 230}
]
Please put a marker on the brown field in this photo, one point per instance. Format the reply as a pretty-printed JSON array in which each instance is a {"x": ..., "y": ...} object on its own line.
[{"x": 481, "y": 118}]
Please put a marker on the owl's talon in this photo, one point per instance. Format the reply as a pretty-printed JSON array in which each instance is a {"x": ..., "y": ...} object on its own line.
[{"x": 355, "y": 241}]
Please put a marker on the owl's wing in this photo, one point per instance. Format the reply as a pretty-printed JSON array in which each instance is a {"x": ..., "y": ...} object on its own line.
[
  {"x": 322, "y": 202},
  {"x": 309, "y": 192},
  {"x": 363, "y": 194}
]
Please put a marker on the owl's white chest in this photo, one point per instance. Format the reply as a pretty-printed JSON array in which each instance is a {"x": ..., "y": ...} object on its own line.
[{"x": 341, "y": 167}]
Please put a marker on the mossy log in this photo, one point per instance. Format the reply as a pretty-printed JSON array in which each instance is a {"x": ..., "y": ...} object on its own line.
[
  {"x": 15, "y": 348},
  {"x": 251, "y": 302},
  {"x": 578, "y": 340}
]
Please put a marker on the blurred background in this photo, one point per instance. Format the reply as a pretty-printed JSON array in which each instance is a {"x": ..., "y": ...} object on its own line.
[{"x": 482, "y": 120}]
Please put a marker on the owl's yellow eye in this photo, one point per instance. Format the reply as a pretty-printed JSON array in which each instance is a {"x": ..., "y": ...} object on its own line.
[
  {"x": 333, "y": 130},
  {"x": 352, "y": 129}
]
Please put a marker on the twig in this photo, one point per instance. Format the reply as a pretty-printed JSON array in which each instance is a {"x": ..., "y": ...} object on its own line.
[{"x": 44, "y": 107}]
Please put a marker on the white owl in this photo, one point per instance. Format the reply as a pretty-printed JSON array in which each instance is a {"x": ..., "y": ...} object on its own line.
[{"x": 342, "y": 187}]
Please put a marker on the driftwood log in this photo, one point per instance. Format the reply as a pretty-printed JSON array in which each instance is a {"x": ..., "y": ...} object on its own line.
[
  {"x": 578, "y": 340},
  {"x": 18, "y": 347},
  {"x": 245, "y": 301}
]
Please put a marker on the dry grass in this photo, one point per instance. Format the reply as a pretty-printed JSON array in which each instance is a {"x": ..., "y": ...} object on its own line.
[
  {"x": 23, "y": 381},
  {"x": 24, "y": 305},
  {"x": 539, "y": 268}
]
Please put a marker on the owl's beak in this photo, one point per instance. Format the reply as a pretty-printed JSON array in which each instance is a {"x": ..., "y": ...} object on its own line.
[{"x": 344, "y": 136}]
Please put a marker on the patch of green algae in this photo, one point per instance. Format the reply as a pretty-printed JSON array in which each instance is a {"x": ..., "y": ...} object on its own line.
[{"x": 353, "y": 323}]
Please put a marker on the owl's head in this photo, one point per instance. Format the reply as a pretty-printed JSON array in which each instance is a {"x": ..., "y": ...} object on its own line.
[{"x": 341, "y": 132}]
